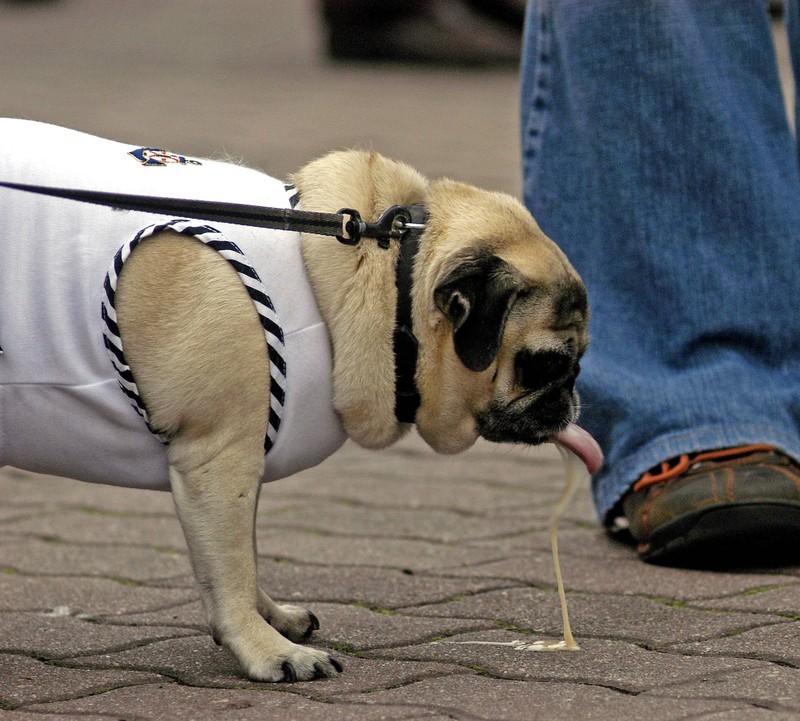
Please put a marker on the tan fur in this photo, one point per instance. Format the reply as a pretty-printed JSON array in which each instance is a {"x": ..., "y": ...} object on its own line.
[
  {"x": 355, "y": 287},
  {"x": 464, "y": 218},
  {"x": 183, "y": 314}
]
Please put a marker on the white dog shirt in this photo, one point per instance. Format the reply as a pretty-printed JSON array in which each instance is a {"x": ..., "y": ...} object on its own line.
[{"x": 67, "y": 402}]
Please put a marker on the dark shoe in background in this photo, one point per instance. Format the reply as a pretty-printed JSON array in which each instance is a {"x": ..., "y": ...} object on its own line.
[
  {"x": 456, "y": 33},
  {"x": 731, "y": 508}
]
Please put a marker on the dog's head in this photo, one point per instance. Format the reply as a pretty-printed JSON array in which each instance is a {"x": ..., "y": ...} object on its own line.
[
  {"x": 499, "y": 313},
  {"x": 502, "y": 319}
]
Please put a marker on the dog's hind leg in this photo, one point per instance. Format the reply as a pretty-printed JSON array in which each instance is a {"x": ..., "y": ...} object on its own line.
[
  {"x": 294, "y": 622},
  {"x": 196, "y": 347}
]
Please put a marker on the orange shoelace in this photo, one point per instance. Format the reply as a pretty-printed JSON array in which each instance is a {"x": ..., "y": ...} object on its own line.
[{"x": 678, "y": 466}]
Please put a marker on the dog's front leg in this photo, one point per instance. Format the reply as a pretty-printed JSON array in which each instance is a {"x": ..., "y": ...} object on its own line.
[
  {"x": 196, "y": 346},
  {"x": 218, "y": 520}
]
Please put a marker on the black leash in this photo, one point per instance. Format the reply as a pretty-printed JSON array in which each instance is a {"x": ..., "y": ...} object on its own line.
[
  {"x": 346, "y": 226},
  {"x": 397, "y": 222}
]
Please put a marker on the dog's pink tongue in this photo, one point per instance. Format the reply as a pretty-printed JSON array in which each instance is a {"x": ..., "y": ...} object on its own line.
[{"x": 582, "y": 444}]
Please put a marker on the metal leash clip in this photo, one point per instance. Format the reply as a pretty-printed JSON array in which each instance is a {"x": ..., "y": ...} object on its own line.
[{"x": 393, "y": 223}]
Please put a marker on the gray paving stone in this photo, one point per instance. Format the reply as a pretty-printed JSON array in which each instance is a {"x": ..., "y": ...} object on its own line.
[
  {"x": 29, "y": 490},
  {"x": 627, "y": 575},
  {"x": 349, "y": 626},
  {"x": 784, "y": 600},
  {"x": 185, "y": 581},
  {"x": 394, "y": 553},
  {"x": 102, "y": 529},
  {"x": 34, "y": 556},
  {"x": 19, "y": 715},
  {"x": 180, "y": 703},
  {"x": 63, "y": 636},
  {"x": 775, "y": 687},
  {"x": 92, "y": 596},
  {"x": 613, "y": 664},
  {"x": 286, "y": 582},
  {"x": 626, "y": 618},
  {"x": 539, "y": 507},
  {"x": 184, "y": 615},
  {"x": 411, "y": 476},
  {"x": 750, "y": 713},
  {"x": 197, "y": 661},
  {"x": 13, "y": 513},
  {"x": 356, "y": 628},
  {"x": 536, "y": 472},
  {"x": 27, "y": 681},
  {"x": 409, "y": 490},
  {"x": 366, "y": 676},
  {"x": 366, "y": 521},
  {"x": 574, "y": 539},
  {"x": 476, "y": 697},
  {"x": 779, "y": 643},
  {"x": 24, "y": 495},
  {"x": 386, "y": 588}
]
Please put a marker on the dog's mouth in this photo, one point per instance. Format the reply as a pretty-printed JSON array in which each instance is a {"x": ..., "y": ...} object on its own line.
[
  {"x": 548, "y": 418},
  {"x": 532, "y": 418}
]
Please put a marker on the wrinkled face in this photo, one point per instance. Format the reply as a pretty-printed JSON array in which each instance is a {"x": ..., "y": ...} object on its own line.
[
  {"x": 502, "y": 317},
  {"x": 537, "y": 364},
  {"x": 513, "y": 331}
]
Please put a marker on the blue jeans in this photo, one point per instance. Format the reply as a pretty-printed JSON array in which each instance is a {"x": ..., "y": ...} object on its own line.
[{"x": 657, "y": 154}]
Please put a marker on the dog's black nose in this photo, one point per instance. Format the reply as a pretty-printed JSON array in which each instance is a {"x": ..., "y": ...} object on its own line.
[{"x": 534, "y": 370}]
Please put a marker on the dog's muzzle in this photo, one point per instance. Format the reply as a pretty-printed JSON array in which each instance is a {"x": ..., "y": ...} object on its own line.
[
  {"x": 545, "y": 400},
  {"x": 535, "y": 418}
]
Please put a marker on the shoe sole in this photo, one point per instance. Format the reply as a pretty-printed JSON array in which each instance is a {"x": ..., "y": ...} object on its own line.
[{"x": 732, "y": 535}]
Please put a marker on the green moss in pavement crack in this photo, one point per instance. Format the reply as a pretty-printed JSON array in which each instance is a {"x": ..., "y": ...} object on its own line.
[
  {"x": 374, "y": 609},
  {"x": 669, "y": 602},
  {"x": 167, "y": 550},
  {"x": 49, "y": 539},
  {"x": 341, "y": 647},
  {"x": 125, "y": 581},
  {"x": 762, "y": 589}
]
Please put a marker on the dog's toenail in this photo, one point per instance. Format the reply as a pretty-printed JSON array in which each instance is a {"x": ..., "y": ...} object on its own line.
[{"x": 289, "y": 674}]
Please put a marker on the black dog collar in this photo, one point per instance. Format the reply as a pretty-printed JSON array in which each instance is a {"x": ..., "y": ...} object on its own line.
[{"x": 406, "y": 395}]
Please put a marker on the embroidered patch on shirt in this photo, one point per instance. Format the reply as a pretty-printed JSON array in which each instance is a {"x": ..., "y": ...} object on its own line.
[{"x": 161, "y": 157}]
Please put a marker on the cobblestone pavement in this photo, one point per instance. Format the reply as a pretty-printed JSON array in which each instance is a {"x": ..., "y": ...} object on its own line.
[{"x": 399, "y": 553}]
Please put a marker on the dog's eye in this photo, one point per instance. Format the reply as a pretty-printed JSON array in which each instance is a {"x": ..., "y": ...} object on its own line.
[{"x": 536, "y": 370}]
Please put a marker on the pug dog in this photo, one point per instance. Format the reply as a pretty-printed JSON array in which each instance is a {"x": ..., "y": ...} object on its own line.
[{"x": 152, "y": 351}]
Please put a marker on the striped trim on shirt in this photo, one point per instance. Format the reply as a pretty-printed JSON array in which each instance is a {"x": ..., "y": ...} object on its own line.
[{"x": 255, "y": 288}]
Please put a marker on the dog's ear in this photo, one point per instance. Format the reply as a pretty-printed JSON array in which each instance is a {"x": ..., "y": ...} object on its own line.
[{"x": 475, "y": 296}]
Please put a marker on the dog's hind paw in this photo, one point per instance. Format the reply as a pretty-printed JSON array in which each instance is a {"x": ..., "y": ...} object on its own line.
[{"x": 295, "y": 623}]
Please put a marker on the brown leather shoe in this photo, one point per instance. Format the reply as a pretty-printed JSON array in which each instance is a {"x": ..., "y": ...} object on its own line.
[{"x": 736, "y": 507}]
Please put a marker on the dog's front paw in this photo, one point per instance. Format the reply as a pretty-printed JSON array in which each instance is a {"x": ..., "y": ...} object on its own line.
[
  {"x": 295, "y": 623},
  {"x": 308, "y": 664},
  {"x": 291, "y": 663},
  {"x": 265, "y": 655}
]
